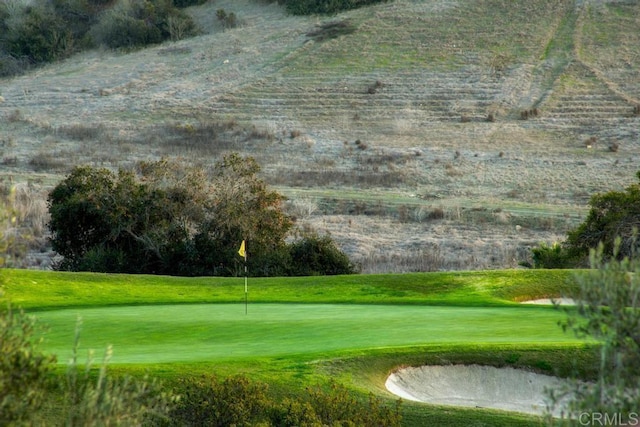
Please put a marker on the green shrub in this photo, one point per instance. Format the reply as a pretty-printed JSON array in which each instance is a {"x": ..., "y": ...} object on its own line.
[
  {"x": 111, "y": 401},
  {"x": 141, "y": 22},
  {"x": 554, "y": 256},
  {"x": 186, "y": 3},
  {"x": 118, "y": 29},
  {"x": 309, "y": 7},
  {"x": 314, "y": 255},
  {"x": 209, "y": 402},
  {"x": 38, "y": 34},
  {"x": 241, "y": 402},
  {"x": 23, "y": 369},
  {"x": 228, "y": 20},
  {"x": 607, "y": 312}
]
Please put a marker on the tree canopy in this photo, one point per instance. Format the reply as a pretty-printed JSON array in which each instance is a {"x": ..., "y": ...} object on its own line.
[
  {"x": 613, "y": 215},
  {"x": 166, "y": 217}
]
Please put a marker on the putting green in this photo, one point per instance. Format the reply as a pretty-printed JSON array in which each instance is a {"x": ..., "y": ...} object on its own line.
[{"x": 217, "y": 332}]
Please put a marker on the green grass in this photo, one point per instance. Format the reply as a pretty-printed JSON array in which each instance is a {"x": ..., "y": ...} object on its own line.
[
  {"x": 304, "y": 331},
  {"x": 222, "y": 332},
  {"x": 38, "y": 290}
]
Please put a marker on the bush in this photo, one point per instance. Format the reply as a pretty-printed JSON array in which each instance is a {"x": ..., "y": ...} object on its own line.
[
  {"x": 186, "y": 3},
  {"x": 608, "y": 311},
  {"x": 126, "y": 27},
  {"x": 209, "y": 402},
  {"x": 309, "y": 7},
  {"x": 38, "y": 34},
  {"x": 109, "y": 401},
  {"x": 23, "y": 369},
  {"x": 554, "y": 256},
  {"x": 241, "y": 402},
  {"x": 314, "y": 256}
]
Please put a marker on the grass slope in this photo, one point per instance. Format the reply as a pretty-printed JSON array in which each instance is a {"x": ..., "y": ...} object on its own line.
[{"x": 37, "y": 290}]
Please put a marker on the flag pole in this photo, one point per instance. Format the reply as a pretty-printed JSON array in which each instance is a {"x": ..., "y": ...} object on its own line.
[
  {"x": 243, "y": 253},
  {"x": 246, "y": 289}
]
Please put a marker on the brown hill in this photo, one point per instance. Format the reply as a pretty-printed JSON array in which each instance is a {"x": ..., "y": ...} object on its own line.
[{"x": 423, "y": 135}]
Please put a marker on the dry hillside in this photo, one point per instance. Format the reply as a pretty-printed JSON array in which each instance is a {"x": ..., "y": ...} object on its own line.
[{"x": 433, "y": 134}]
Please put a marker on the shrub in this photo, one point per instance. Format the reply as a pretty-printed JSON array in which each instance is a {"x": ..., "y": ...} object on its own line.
[
  {"x": 607, "y": 311},
  {"x": 23, "y": 369},
  {"x": 241, "y": 402},
  {"x": 141, "y": 22},
  {"x": 117, "y": 29},
  {"x": 314, "y": 255},
  {"x": 554, "y": 256},
  {"x": 228, "y": 20},
  {"x": 186, "y": 3},
  {"x": 208, "y": 401},
  {"x": 38, "y": 34},
  {"x": 309, "y": 7},
  {"x": 111, "y": 401},
  {"x": 331, "y": 30}
]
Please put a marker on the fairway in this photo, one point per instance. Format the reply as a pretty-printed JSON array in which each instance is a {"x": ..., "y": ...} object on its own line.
[{"x": 219, "y": 332}]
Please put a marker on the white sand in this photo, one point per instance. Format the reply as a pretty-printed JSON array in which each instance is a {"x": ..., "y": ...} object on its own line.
[
  {"x": 474, "y": 386},
  {"x": 550, "y": 301}
]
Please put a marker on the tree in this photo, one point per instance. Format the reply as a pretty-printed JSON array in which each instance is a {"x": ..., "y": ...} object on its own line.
[
  {"x": 615, "y": 214},
  {"x": 166, "y": 218},
  {"x": 608, "y": 310}
]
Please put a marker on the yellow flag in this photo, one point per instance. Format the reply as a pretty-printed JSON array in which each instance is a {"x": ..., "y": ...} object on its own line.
[{"x": 241, "y": 251}]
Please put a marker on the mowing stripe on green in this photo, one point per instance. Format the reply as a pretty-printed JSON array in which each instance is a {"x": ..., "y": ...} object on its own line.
[{"x": 218, "y": 332}]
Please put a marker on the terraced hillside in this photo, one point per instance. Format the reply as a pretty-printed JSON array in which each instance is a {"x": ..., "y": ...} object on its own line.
[{"x": 422, "y": 134}]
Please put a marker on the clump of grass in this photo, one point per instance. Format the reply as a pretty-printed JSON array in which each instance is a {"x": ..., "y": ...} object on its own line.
[
  {"x": 47, "y": 161},
  {"x": 529, "y": 114},
  {"x": 295, "y": 134},
  {"x": 374, "y": 87},
  {"x": 15, "y": 116},
  {"x": 81, "y": 132},
  {"x": 423, "y": 260},
  {"x": 361, "y": 145},
  {"x": 228, "y": 20},
  {"x": 332, "y": 30}
]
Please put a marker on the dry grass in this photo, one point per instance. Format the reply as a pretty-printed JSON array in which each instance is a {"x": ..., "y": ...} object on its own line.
[{"x": 395, "y": 127}]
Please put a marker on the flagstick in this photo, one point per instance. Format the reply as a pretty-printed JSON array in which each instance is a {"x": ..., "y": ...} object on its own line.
[
  {"x": 246, "y": 291},
  {"x": 243, "y": 253}
]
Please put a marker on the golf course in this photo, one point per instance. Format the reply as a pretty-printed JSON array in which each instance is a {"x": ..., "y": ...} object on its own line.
[{"x": 297, "y": 332}]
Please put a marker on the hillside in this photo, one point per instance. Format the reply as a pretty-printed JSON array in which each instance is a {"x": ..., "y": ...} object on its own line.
[{"x": 429, "y": 134}]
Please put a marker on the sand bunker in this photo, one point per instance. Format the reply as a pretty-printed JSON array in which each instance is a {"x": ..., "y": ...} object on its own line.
[
  {"x": 474, "y": 386},
  {"x": 550, "y": 301}
]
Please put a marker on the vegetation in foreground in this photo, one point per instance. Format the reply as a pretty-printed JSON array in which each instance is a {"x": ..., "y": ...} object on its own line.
[{"x": 608, "y": 310}]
